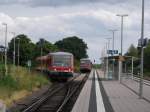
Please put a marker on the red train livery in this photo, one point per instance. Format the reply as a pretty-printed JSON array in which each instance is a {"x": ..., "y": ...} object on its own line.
[
  {"x": 85, "y": 65},
  {"x": 57, "y": 65}
]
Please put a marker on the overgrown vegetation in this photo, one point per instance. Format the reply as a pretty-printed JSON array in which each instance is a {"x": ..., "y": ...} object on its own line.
[
  {"x": 19, "y": 81},
  {"x": 74, "y": 45},
  {"x": 30, "y": 51},
  {"x": 96, "y": 66},
  {"x": 76, "y": 65}
]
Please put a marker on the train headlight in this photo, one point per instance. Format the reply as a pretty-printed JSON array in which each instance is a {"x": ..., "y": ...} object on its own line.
[{"x": 55, "y": 69}]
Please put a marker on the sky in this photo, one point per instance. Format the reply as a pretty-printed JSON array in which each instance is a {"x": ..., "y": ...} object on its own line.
[{"x": 90, "y": 20}]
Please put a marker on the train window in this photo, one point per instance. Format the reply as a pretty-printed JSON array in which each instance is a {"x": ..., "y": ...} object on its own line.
[{"x": 62, "y": 61}]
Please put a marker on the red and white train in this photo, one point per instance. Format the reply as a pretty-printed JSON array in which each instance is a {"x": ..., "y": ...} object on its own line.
[
  {"x": 59, "y": 65},
  {"x": 85, "y": 65}
]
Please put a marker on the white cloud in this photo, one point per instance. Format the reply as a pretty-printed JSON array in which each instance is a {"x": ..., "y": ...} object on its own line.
[
  {"x": 90, "y": 22},
  {"x": 5, "y": 18}
]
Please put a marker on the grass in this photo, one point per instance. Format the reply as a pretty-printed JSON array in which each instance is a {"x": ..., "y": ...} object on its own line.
[
  {"x": 76, "y": 65},
  {"x": 18, "y": 83}
]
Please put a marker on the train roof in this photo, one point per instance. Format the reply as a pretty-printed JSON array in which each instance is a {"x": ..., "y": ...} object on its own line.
[
  {"x": 42, "y": 58},
  {"x": 61, "y": 53}
]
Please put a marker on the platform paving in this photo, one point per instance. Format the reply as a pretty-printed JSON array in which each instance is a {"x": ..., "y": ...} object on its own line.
[
  {"x": 124, "y": 99},
  {"x": 82, "y": 103},
  {"x": 110, "y": 96},
  {"x": 134, "y": 86}
]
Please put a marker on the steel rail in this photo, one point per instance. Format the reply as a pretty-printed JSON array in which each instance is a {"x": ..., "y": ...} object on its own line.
[
  {"x": 68, "y": 97},
  {"x": 52, "y": 92}
]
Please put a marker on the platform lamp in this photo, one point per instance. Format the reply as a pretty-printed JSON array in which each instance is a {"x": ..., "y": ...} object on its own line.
[
  {"x": 6, "y": 70},
  {"x": 142, "y": 52}
]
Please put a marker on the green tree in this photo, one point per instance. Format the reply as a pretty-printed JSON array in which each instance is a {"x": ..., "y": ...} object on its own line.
[
  {"x": 147, "y": 56},
  {"x": 26, "y": 49},
  {"x": 74, "y": 45},
  {"x": 46, "y": 46},
  {"x": 132, "y": 51}
]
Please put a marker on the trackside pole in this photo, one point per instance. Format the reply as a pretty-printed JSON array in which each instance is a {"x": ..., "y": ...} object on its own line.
[
  {"x": 2, "y": 106},
  {"x": 120, "y": 70}
]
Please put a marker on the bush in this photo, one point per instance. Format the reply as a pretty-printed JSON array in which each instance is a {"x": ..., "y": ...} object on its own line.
[
  {"x": 2, "y": 70},
  {"x": 9, "y": 82},
  {"x": 76, "y": 65}
]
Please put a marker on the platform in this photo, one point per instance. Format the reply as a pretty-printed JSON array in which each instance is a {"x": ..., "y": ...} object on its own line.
[
  {"x": 134, "y": 86},
  {"x": 109, "y": 96}
]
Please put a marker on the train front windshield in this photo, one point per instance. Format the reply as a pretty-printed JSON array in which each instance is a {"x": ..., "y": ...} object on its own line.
[
  {"x": 64, "y": 61},
  {"x": 85, "y": 61}
]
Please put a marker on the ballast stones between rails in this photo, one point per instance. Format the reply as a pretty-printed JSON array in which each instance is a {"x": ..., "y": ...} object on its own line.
[{"x": 55, "y": 100}]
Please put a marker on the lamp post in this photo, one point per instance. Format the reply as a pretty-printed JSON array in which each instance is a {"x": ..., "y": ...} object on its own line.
[
  {"x": 41, "y": 58},
  {"x": 108, "y": 39},
  {"x": 142, "y": 53},
  {"x": 122, "y": 18},
  {"x": 41, "y": 44},
  {"x": 113, "y": 32},
  {"x": 120, "y": 62},
  {"x": 6, "y": 71},
  {"x": 14, "y": 53}
]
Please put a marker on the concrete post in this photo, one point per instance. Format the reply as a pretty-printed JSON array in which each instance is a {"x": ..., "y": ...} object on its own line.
[
  {"x": 132, "y": 68},
  {"x": 106, "y": 76},
  {"x": 120, "y": 71}
]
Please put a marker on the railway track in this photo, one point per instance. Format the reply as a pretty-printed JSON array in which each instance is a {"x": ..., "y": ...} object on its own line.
[{"x": 60, "y": 98}]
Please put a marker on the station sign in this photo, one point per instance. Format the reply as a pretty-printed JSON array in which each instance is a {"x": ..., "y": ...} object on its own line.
[{"x": 112, "y": 52}]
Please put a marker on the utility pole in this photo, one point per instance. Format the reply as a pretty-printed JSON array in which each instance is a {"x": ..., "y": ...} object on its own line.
[
  {"x": 14, "y": 53},
  {"x": 41, "y": 58},
  {"x": 6, "y": 70},
  {"x": 142, "y": 52},
  {"x": 41, "y": 43},
  {"x": 18, "y": 51}
]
